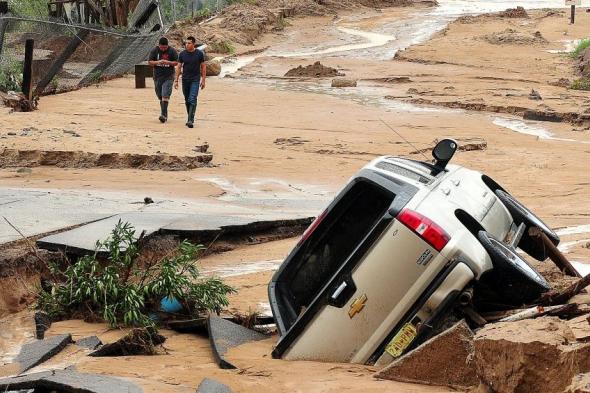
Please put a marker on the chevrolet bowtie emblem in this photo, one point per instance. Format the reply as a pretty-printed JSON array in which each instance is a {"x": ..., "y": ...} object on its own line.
[{"x": 357, "y": 306}]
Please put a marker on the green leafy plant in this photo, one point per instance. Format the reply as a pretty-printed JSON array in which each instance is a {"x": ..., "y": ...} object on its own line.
[
  {"x": 581, "y": 84},
  {"x": 222, "y": 47},
  {"x": 585, "y": 43},
  {"x": 11, "y": 77},
  {"x": 123, "y": 293}
]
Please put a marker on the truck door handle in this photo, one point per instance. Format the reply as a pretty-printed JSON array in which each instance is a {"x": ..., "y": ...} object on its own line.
[{"x": 341, "y": 293}]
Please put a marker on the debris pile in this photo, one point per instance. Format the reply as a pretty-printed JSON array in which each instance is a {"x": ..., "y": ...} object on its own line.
[
  {"x": 518, "y": 12},
  {"x": 315, "y": 70},
  {"x": 514, "y": 37},
  {"x": 18, "y": 102}
]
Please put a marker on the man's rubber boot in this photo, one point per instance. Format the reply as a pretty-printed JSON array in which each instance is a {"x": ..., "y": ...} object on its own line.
[
  {"x": 191, "y": 116},
  {"x": 188, "y": 111},
  {"x": 164, "y": 115}
]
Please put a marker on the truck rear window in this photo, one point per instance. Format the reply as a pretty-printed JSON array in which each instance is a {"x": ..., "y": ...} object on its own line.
[{"x": 334, "y": 240}]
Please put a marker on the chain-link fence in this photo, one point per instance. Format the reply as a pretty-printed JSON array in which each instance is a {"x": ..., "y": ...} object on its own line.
[{"x": 70, "y": 55}]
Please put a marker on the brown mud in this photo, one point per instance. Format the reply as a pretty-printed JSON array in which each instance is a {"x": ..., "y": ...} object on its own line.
[{"x": 11, "y": 158}]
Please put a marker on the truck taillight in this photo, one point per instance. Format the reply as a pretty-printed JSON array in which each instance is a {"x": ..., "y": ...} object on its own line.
[
  {"x": 425, "y": 228},
  {"x": 312, "y": 227}
]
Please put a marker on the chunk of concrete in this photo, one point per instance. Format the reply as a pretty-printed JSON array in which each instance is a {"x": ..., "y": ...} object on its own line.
[
  {"x": 580, "y": 327},
  {"x": 68, "y": 381},
  {"x": 533, "y": 355},
  {"x": 224, "y": 335},
  {"x": 38, "y": 351},
  {"x": 139, "y": 341},
  {"x": 446, "y": 359},
  {"x": 343, "y": 82},
  {"x": 212, "y": 386},
  {"x": 90, "y": 342}
]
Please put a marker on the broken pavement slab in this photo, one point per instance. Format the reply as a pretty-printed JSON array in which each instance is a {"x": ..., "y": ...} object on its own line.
[
  {"x": 83, "y": 239},
  {"x": 90, "y": 342},
  {"x": 68, "y": 381},
  {"x": 212, "y": 386},
  {"x": 534, "y": 355},
  {"x": 36, "y": 352},
  {"x": 224, "y": 335},
  {"x": 450, "y": 361}
]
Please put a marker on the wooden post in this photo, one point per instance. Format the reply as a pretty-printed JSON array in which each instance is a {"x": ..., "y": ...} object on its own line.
[
  {"x": 554, "y": 254},
  {"x": 573, "y": 15},
  {"x": 139, "y": 77},
  {"x": 28, "y": 70},
  {"x": 3, "y": 27}
]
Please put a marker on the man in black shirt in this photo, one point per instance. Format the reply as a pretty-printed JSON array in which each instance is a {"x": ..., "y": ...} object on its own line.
[
  {"x": 163, "y": 58},
  {"x": 191, "y": 65}
]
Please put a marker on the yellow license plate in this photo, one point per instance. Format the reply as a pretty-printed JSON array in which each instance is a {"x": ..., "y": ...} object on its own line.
[{"x": 402, "y": 340}]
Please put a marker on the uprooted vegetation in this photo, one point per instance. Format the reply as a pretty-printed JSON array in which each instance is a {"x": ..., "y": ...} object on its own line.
[{"x": 124, "y": 292}]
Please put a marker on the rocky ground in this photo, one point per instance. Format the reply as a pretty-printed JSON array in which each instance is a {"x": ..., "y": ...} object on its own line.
[{"x": 497, "y": 82}]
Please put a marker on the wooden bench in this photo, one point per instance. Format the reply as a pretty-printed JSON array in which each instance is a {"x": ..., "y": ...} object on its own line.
[{"x": 142, "y": 71}]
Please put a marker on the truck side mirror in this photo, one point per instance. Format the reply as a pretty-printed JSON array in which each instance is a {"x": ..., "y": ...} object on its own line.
[{"x": 443, "y": 152}]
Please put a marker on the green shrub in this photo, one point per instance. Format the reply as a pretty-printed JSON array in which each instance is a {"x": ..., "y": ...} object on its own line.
[
  {"x": 585, "y": 43},
  {"x": 11, "y": 77},
  {"x": 31, "y": 8},
  {"x": 123, "y": 293},
  {"x": 581, "y": 84},
  {"x": 222, "y": 47}
]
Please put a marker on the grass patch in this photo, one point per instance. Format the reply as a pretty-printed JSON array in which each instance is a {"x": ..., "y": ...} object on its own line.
[
  {"x": 585, "y": 43},
  {"x": 120, "y": 291},
  {"x": 225, "y": 47},
  {"x": 11, "y": 77},
  {"x": 581, "y": 84}
]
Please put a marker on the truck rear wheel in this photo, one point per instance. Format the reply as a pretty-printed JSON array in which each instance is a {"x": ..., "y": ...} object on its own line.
[{"x": 512, "y": 277}]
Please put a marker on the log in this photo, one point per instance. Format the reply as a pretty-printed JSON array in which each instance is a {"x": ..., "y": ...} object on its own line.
[{"x": 554, "y": 297}]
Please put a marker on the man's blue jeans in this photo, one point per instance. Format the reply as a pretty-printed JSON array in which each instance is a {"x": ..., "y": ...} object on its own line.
[{"x": 190, "y": 91}]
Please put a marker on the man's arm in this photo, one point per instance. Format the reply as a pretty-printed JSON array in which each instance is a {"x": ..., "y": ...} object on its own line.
[
  {"x": 178, "y": 73},
  {"x": 203, "y": 72},
  {"x": 152, "y": 60}
]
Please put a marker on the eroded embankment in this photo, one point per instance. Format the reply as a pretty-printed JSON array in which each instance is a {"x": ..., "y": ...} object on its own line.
[{"x": 12, "y": 158}]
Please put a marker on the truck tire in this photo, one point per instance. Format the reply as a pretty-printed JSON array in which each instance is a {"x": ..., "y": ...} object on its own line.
[
  {"x": 512, "y": 278},
  {"x": 520, "y": 214}
]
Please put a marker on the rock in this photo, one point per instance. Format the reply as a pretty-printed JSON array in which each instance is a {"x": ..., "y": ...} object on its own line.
[
  {"x": 446, "y": 359},
  {"x": 534, "y": 95},
  {"x": 533, "y": 355},
  {"x": 42, "y": 320},
  {"x": 213, "y": 67},
  {"x": 90, "y": 342},
  {"x": 542, "y": 115},
  {"x": 561, "y": 82},
  {"x": 580, "y": 384},
  {"x": 68, "y": 381},
  {"x": 315, "y": 70},
  {"x": 25, "y": 170},
  {"x": 140, "y": 341},
  {"x": 38, "y": 351},
  {"x": 412, "y": 90},
  {"x": 343, "y": 82},
  {"x": 580, "y": 328},
  {"x": 212, "y": 386},
  {"x": 148, "y": 200}
]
